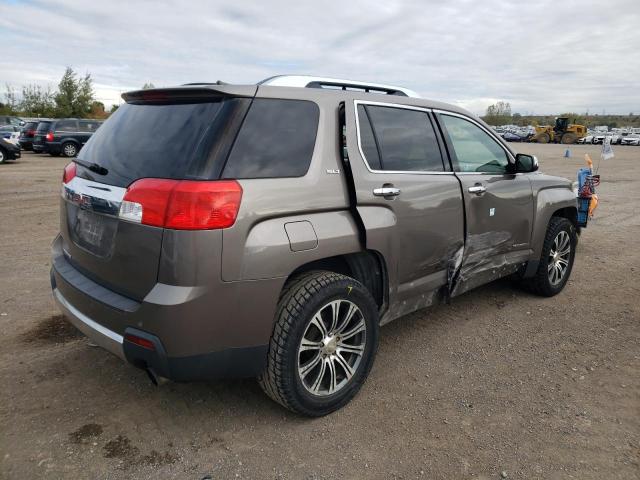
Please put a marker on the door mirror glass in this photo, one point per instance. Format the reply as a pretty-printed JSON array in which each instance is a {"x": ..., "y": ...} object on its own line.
[{"x": 526, "y": 163}]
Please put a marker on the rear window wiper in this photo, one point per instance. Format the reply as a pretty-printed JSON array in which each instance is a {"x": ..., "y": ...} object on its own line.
[{"x": 94, "y": 167}]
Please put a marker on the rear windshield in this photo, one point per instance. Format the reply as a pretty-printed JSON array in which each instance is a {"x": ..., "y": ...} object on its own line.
[
  {"x": 43, "y": 127},
  {"x": 227, "y": 138},
  {"x": 177, "y": 141}
]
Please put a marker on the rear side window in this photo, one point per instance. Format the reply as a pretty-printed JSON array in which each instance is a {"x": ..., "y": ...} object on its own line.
[
  {"x": 276, "y": 140},
  {"x": 86, "y": 126},
  {"x": 404, "y": 139},
  {"x": 67, "y": 126},
  {"x": 367, "y": 140},
  {"x": 43, "y": 127}
]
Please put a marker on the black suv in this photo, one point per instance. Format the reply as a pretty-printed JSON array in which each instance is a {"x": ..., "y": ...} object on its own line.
[
  {"x": 68, "y": 135},
  {"x": 27, "y": 134}
]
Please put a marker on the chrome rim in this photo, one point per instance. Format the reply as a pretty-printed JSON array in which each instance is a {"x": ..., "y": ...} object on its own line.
[
  {"x": 332, "y": 348},
  {"x": 69, "y": 150},
  {"x": 559, "y": 258},
  {"x": 1, "y": 156}
]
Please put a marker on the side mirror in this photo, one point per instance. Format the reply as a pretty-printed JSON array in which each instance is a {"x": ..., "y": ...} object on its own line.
[{"x": 526, "y": 163}]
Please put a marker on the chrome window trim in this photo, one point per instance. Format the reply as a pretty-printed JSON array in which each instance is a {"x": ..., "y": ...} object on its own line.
[
  {"x": 487, "y": 131},
  {"x": 391, "y": 105}
]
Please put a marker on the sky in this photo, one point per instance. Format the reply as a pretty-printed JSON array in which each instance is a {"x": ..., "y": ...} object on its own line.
[{"x": 543, "y": 57}]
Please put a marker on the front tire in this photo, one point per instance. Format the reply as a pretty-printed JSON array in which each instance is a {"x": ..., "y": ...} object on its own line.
[
  {"x": 323, "y": 344},
  {"x": 556, "y": 261},
  {"x": 3, "y": 155}
]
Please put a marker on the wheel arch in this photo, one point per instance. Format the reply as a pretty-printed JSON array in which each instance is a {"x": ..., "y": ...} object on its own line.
[{"x": 368, "y": 267}]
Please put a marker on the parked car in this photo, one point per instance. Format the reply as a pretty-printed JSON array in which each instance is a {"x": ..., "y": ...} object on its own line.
[
  {"x": 26, "y": 135},
  {"x": 10, "y": 120},
  {"x": 8, "y": 150},
  {"x": 68, "y": 135},
  {"x": 616, "y": 138},
  {"x": 631, "y": 139},
  {"x": 39, "y": 137},
  {"x": 275, "y": 240},
  {"x": 9, "y": 132},
  {"x": 512, "y": 137},
  {"x": 587, "y": 139}
]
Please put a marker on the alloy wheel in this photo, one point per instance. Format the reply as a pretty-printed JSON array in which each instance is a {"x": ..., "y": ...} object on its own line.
[
  {"x": 559, "y": 256},
  {"x": 331, "y": 348}
]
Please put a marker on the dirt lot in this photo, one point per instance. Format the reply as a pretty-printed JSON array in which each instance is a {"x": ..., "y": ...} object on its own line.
[{"x": 500, "y": 383}]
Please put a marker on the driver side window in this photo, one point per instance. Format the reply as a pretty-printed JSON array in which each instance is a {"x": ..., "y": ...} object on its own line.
[{"x": 475, "y": 150}]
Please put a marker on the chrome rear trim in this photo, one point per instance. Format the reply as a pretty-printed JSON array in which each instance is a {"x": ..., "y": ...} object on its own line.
[{"x": 100, "y": 198}]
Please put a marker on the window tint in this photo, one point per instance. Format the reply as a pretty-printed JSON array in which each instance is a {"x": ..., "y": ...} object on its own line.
[
  {"x": 276, "y": 140},
  {"x": 475, "y": 150},
  {"x": 179, "y": 141},
  {"x": 367, "y": 140},
  {"x": 405, "y": 138},
  {"x": 86, "y": 126},
  {"x": 67, "y": 126},
  {"x": 43, "y": 127}
]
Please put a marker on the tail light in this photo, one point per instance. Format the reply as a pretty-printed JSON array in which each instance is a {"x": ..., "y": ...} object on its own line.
[
  {"x": 69, "y": 173},
  {"x": 182, "y": 204},
  {"x": 49, "y": 137},
  {"x": 30, "y": 133}
]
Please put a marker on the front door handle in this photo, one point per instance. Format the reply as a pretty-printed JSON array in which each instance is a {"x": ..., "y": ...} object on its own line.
[
  {"x": 386, "y": 192},
  {"x": 477, "y": 189}
]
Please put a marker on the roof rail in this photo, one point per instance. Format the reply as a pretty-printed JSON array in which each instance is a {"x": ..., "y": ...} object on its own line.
[{"x": 308, "y": 81}]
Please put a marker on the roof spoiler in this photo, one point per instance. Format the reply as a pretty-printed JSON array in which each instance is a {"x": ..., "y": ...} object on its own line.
[{"x": 191, "y": 93}]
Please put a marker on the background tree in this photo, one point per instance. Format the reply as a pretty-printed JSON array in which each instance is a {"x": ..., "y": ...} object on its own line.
[
  {"x": 114, "y": 107},
  {"x": 75, "y": 96},
  {"x": 10, "y": 105},
  {"x": 37, "y": 101},
  {"x": 97, "y": 110},
  {"x": 498, "y": 113}
]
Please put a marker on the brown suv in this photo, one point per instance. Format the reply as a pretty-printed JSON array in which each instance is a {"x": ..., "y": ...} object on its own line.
[{"x": 269, "y": 230}]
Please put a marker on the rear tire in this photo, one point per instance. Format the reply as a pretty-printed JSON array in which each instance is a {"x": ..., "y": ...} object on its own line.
[
  {"x": 556, "y": 261},
  {"x": 316, "y": 363}
]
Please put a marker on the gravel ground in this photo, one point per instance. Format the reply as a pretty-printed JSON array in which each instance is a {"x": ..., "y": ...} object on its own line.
[{"x": 499, "y": 384}]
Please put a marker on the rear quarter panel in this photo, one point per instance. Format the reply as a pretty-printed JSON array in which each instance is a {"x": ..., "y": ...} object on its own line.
[{"x": 258, "y": 245}]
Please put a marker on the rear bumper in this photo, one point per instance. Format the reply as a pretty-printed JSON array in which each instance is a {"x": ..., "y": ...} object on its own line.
[
  {"x": 186, "y": 345},
  {"x": 52, "y": 147},
  {"x": 98, "y": 334}
]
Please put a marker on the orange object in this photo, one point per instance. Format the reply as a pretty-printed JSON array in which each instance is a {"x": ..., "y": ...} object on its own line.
[
  {"x": 587, "y": 159},
  {"x": 593, "y": 204}
]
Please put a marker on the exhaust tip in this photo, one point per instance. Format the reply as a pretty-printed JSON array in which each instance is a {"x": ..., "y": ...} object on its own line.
[{"x": 156, "y": 379}]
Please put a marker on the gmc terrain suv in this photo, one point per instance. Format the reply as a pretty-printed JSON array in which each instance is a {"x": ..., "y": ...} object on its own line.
[{"x": 269, "y": 230}]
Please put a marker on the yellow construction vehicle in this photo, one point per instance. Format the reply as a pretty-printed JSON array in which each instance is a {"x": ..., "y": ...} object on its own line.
[{"x": 561, "y": 132}]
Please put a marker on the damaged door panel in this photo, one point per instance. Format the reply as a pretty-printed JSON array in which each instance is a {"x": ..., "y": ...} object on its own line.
[{"x": 498, "y": 205}]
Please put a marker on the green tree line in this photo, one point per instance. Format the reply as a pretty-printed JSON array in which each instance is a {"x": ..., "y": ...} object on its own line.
[
  {"x": 500, "y": 114},
  {"x": 74, "y": 97}
]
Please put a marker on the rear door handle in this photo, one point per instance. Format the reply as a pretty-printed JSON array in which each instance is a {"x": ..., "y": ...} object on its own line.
[
  {"x": 386, "y": 192},
  {"x": 477, "y": 189}
]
